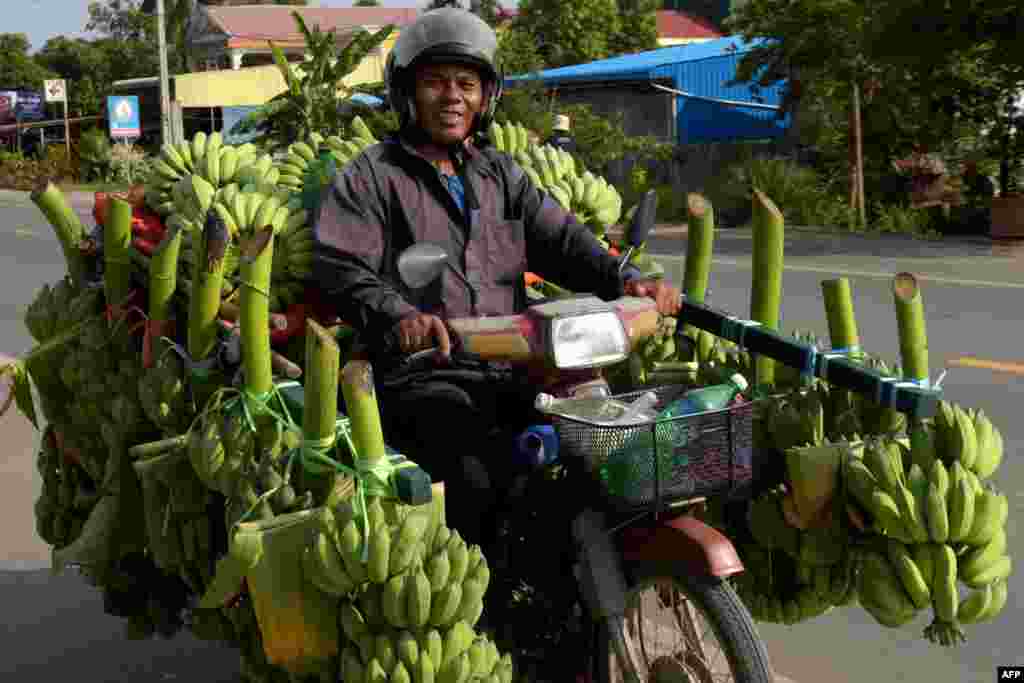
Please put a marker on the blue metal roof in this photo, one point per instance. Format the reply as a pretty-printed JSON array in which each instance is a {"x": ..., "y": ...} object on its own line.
[
  {"x": 701, "y": 71},
  {"x": 640, "y": 65}
]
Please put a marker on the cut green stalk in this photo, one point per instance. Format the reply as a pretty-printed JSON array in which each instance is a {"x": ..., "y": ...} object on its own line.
[
  {"x": 143, "y": 451},
  {"x": 163, "y": 268},
  {"x": 766, "y": 290},
  {"x": 320, "y": 408},
  {"x": 361, "y": 405},
  {"x": 699, "y": 242},
  {"x": 207, "y": 277},
  {"x": 842, "y": 323},
  {"x": 254, "y": 311},
  {"x": 67, "y": 226},
  {"x": 912, "y": 328},
  {"x": 117, "y": 245},
  {"x": 323, "y": 358}
]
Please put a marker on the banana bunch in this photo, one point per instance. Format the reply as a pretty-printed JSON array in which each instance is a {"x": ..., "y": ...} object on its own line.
[
  {"x": 301, "y": 168},
  {"x": 946, "y": 511},
  {"x": 797, "y": 418},
  {"x": 45, "y": 316},
  {"x": 786, "y": 377},
  {"x": 162, "y": 393},
  {"x": 262, "y": 492},
  {"x": 250, "y": 207},
  {"x": 175, "y": 509},
  {"x": 794, "y": 575},
  {"x": 510, "y": 138},
  {"x": 874, "y": 418},
  {"x": 150, "y": 602},
  {"x": 68, "y": 495},
  {"x": 445, "y": 655},
  {"x": 205, "y": 156},
  {"x": 590, "y": 197},
  {"x": 967, "y": 437},
  {"x": 409, "y": 596}
]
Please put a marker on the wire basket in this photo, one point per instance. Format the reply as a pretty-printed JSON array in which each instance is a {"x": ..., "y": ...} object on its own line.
[{"x": 661, "y": 462}]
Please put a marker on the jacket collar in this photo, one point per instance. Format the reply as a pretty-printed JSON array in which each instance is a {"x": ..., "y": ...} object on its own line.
[{"x": 468, "y": 154}]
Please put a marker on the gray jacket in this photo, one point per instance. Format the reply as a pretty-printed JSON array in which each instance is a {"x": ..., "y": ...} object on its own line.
[{"x": 390, "y": 197}]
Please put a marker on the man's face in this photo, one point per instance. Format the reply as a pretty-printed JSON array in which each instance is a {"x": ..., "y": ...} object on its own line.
[{"x": 448, "y": 97}]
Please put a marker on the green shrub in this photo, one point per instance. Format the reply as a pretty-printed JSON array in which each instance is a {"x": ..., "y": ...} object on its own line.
[
  {"x": 94, "y": 153},
  {"x": 902, "y": 219},
  {"x": 801, "y": 193},
  {"x": 128, "y": 164}
]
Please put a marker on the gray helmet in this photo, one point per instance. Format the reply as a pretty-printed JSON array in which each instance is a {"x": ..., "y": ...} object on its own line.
[{"x": 444, "y": 35}]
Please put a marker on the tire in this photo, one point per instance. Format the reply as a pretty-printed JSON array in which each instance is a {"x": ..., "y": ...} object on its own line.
[{"x": 713, "y": 599}]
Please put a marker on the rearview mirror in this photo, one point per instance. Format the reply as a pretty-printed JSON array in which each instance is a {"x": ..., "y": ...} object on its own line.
[
  {"x": 421, "y": 264},
  {"x": 642, "y": 225}
]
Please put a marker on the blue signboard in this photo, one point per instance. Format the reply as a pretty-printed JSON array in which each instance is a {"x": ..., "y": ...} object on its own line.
[
  {"x": 30, "y": 106},
  {"x": 123, "y": 114}
]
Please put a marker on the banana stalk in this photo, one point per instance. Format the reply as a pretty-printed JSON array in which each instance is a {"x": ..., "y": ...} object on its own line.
[
  {"x": 699, "y": 242},
  {"x": 117, "y": 244},
  {"x": 361, "y": 407},
  {"x": 254, "y": 312},
  {"x": 766, "y": 294},
  {"x": 910, "y": 318},
  {"x": 163, "y": 268},
  {"x": 320, "y": 405},
  {"x": 207, "y": 278},
  {"x": 66, "y": 225},
  {"x": 152, "y": 449},
  {"x": 842, "y": 323}
]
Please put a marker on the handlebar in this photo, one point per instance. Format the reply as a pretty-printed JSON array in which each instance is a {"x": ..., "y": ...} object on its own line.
[{"x": 519, "y": 338}]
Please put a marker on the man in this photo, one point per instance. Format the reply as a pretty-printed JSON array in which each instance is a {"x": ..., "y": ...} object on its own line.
[
  {"x": 560, "y": 135},
  {"x": 435, "y": 181}
]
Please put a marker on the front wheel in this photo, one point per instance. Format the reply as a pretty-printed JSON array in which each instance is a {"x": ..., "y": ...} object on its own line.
[{"x": 679, "y": 628}]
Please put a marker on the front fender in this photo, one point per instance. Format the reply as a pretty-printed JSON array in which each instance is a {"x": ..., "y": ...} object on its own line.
[{"x": 686, "y": 542}]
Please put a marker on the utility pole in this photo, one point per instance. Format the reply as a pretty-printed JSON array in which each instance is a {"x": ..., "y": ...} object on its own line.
[{"x": 165, "y": 81}]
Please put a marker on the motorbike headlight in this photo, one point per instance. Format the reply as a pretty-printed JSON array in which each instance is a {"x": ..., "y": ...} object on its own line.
[{"x": 589, "y": 340}]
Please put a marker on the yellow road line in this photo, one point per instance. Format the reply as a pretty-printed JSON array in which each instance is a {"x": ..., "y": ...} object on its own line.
[
  {"x": 999, "y": 366},
  {"x": 836, "y": 271}
]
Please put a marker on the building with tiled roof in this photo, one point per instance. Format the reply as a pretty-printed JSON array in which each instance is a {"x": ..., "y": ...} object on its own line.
[{"x": 223, "y": 37}]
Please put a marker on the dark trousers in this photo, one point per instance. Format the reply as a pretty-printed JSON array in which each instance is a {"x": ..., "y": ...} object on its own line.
[{"x": 458, "y": 425}]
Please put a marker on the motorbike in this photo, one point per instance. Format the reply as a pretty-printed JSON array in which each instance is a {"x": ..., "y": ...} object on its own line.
[{"x": 636, "y": 583}]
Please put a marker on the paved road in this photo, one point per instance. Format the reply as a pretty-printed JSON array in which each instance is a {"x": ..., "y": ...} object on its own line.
[
  {"x": 55, "y": 626},
  {"x": 972, "y": 293}
]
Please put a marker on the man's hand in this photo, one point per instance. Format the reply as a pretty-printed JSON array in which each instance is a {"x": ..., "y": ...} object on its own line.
[
  {"x": 420, "y": 331},
  {"x": 666, "y": 296}
]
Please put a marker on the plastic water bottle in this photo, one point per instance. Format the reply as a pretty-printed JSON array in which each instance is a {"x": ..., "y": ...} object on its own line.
[
  {"x": 596, "y": 409},
  {"x": 702, "y": 400},
  {"x": 627, "y": 471},
  {"x": 639, "y": 411}
]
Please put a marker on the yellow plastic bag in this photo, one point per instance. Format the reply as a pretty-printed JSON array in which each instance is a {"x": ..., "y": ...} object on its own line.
[{"x": 299, "y": 627}]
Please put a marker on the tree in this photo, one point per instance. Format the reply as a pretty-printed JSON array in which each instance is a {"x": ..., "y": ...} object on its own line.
[
  {"x": 310, "y": 100},
  {"x": 639, "y": 27},
  {"x": 84, "y": 65},
  {"x": 517, "y": 51},
  {"x": 120, "y": 19},
  {"x": 440, "y": 4},
  {"x": 17, "y": 68},
  {"x": 571, "y": 32},
  {"x": 935, "y": 90}
]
